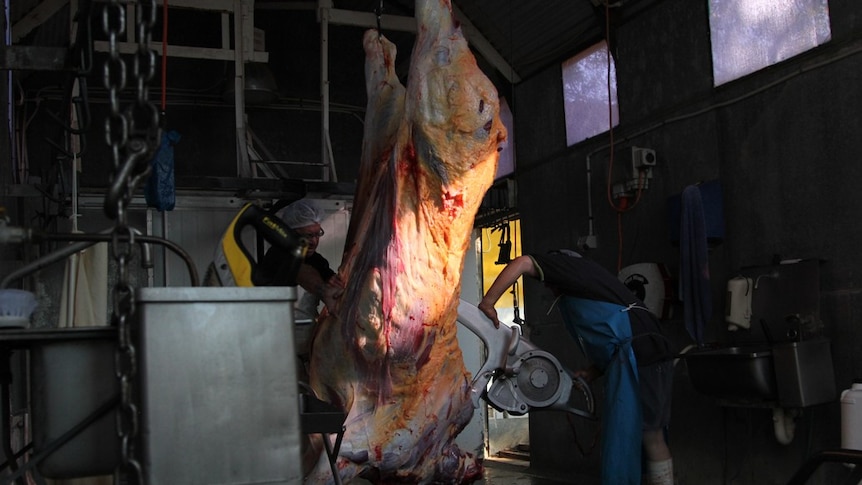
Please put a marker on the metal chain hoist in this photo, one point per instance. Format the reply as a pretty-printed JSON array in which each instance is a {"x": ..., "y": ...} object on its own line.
[{"x": 133, "y": 135}]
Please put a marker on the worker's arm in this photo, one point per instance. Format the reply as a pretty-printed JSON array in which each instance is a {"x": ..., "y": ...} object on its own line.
[
  {"x": 332, "y": 290},
  {"x": 522, "y": 265},
  {"x": 328, "y": 291}
]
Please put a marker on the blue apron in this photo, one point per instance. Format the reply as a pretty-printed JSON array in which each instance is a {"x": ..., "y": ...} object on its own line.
[{"x": 605, "y": 334}]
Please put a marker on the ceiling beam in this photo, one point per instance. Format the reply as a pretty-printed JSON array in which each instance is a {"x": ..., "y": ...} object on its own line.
[
  {"x": 47, "y": 8},
  {"x": 484, "y": 47},
  {"x": 210, "y": 53},
  {"x": 369, "y": 20},
  {"x": 408, "y": 24},
  {"x": 34, "y": 58}
]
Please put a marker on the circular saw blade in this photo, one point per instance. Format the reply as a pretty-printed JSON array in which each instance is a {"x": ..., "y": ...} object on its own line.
[
  {"x": 504, "y": 396},
  {"x": 539, "y": 378}
]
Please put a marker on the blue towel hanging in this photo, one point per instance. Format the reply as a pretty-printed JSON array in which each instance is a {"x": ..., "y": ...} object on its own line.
[
  {"x": 160, "y": 191},
  {"x": 694, "y": 287}
]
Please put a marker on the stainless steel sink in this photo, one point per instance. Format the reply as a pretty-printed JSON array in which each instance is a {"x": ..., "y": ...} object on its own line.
[
  {"x": 787, "y": 374},
  {"x": 739, "y": 373}
]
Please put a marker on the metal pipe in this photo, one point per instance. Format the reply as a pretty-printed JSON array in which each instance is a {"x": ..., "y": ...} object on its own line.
[
  {"x": 44, "y": 261},
  {"x": 53, "y": 446},
  {"x": 589, "y": 196},
  {"x": 71, "y": 280},
  {"x": 784, "y": 424},
  {"x": 324, "y": 7},
  {"x": 166, "y": 268},
  {"x": 83, "y": 241},
  {"x": 240, "y": 48},
  {"x": 142, "y": 240}
]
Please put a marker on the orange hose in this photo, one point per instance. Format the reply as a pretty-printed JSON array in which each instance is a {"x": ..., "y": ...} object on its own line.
[{"x": 624, "y": 205}]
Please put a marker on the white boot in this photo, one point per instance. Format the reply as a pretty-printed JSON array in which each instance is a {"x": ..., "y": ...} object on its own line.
[{"x": 659, "y": 473}]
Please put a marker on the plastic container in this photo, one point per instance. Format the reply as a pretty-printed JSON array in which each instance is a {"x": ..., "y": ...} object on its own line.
[
  {"x": 851, "y": 417},
  {"x": 16, "y": 306}
]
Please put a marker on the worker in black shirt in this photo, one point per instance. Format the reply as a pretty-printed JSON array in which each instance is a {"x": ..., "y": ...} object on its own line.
[
  {"x": 624, "y": 342},
  {"x": 316, "y": 281}
]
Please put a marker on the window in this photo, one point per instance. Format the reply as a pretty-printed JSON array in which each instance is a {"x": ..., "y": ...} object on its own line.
[
  {"x": 506, "y": 164},
  {"x": 748, "y": 35},
  {"x": 586, "y": 93}
]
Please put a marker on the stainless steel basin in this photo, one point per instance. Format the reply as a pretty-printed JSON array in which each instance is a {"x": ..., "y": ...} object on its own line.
[
  {"x": 738, "y": 373},
  {"x": 789, "y": 374}
]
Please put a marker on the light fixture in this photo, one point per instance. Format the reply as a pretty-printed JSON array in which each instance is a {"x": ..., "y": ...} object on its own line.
[{"x": 260, "y": 85}]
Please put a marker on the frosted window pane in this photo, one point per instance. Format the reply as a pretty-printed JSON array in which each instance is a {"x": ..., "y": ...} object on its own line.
[
  {"x": 585, "y": 94},
  {"x": 748, "y": 35},
  {"x": 506, "y": 165}
]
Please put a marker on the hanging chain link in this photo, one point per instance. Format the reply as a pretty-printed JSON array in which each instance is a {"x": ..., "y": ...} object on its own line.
[{"x": 133, "y": 136}]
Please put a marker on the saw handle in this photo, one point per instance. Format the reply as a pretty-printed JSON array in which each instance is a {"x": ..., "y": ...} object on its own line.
[{"x": 278, "y": 234}]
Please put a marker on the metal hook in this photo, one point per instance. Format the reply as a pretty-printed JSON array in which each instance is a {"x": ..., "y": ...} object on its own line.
[
  {"x": 128, "y": 177},
  {"x": 379, "y": 12}
]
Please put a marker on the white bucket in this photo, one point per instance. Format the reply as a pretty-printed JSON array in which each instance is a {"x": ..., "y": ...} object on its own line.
[{"x": 851, "y": 417}]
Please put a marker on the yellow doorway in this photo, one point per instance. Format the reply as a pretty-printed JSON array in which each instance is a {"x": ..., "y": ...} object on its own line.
[{"x": 508, "y": 435}]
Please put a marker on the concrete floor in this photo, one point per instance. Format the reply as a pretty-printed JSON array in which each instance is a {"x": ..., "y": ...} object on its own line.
[{"x": 515, "y": 472}]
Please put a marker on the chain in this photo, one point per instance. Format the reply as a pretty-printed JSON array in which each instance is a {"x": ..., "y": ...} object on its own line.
[{"x": 133, "y": 136}]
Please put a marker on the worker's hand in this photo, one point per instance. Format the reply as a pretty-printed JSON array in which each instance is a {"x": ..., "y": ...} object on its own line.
[
  {"x": 336, "y": 281},
  {"x": 329, "y": 300},
  {"x": 489, "y": 311},
  {"x": 332, "y": 291},
  {"x": 589, "y": 374}
]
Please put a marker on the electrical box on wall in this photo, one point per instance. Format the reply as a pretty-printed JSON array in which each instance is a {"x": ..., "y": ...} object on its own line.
[
  {"x": 642, "y": 158},
  {"x": 638, "y": 174}
]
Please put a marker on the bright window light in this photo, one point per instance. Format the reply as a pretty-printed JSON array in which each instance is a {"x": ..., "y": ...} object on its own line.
[
  {"x": 748, "y": 35},
  {"x": 585, "y": 94},
  {"x": 506, "y": 165}
]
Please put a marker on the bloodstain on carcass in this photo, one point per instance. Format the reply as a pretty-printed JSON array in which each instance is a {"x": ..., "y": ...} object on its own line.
[{"x": 388, "y": 354}]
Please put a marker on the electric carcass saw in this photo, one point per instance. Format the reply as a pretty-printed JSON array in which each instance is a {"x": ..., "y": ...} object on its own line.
[{"x": 522, "y": 377}]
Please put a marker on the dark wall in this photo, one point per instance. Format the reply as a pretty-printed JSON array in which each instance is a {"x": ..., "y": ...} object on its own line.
[
  {"x": 782, "y": 145},
  {"x": 781, "y": 142}
]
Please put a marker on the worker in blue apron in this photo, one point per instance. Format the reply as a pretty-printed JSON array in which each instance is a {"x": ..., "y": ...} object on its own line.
[{"x": 624, "y": 343}]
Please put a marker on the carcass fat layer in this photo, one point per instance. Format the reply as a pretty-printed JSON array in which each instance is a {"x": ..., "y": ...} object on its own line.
[{"x": 389, "y": 354}]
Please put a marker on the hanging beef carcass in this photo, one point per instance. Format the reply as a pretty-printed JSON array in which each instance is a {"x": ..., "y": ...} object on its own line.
[{"x": 388, "y": 355}]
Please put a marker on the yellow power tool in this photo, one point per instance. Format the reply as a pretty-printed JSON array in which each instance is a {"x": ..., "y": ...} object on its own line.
[{"x": 233, "y": 264}]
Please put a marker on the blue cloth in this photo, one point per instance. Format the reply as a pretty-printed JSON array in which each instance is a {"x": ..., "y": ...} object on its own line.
[
  {"x": 694, "y": 288},
  {"x": 160, "y": 191},
  {"x": 605, "y": 334}
]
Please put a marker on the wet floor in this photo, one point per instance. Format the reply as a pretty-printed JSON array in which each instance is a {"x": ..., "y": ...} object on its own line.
[{"x": 516, "y": 472}]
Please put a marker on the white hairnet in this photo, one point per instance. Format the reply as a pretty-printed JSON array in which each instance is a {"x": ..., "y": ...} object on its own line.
[{"x": 301, "y": 213}]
